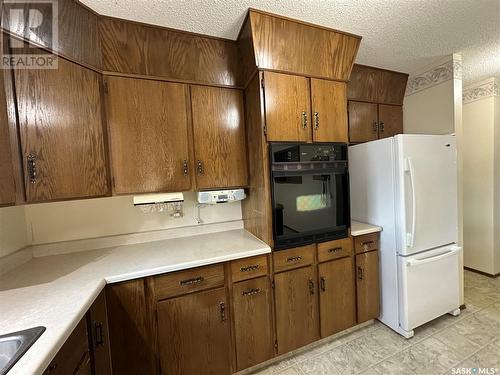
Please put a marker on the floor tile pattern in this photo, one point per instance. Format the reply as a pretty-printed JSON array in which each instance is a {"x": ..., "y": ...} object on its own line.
[{"x": 470, "y": 340}]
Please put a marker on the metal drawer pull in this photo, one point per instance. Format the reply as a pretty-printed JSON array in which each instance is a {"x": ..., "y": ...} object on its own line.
[
  {"x": 381, "y": 125},
  {"x": 185, "y": 167},
  {"x": 250, "y": 268},
  {"x": 222, "y": 307},
  {"x": 199, "y": 166},
  {"x": 294, "y": 259},
  {"x": 304, "y": 120},
  {"x": 251, "y": 292},
  {"x": 335, "y": 250},
  {"x": 196, "y": 280},
  {"x": 316, "y": 120},
  {"x": 367, "y": 244},
  {"x": 99, "y": 338},
  {"x": 375, "y": 126},
  {"x": 31, "y": 166},
  {"x": 311, "y": 286},
  {"x": 322, "y": 284},
  {"x": 360, "y": 273}
]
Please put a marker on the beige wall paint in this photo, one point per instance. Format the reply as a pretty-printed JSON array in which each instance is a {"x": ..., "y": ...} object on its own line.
[
  {"x": 12, "y": 230},
  {"x": 65, "y": 221},
  {"x": 478, "y": 119},
  {"x": 430, "y": 111}
]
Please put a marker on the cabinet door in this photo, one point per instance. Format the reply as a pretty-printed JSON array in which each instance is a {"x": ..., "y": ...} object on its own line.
[
  {"x": 7, "y": 185},
  {"x": 219, "y": 137},
  {"x": 148, "y": 126},
  {"x": 252, "y": 322},
  {"x": 296, "y": 308},
  {"x": 287, "y": 107},
  {"x": 193, "y": 334},
  {"x": 100, "y": 336},
  {"x": 61, "y": 132},
  {"x": 367, "y": 285},
  {"x": 363, "y": 125},
  {"x": 337, "y": 296},
  {"x": 390, "y": 120},
  {"x": 73, "y": 357},
  {"x": 329, "y": 111}
]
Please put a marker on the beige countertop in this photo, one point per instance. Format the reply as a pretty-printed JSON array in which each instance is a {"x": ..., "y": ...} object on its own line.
[
  {"x": 358, "y": 228},
  {"x": 56, "y": 291}
]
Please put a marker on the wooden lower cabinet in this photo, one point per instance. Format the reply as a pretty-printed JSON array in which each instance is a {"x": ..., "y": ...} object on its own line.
[
  {"x": 99, "y": 334},
  {"x": 252, "y": 322},
  {"x": 193, "y": 334},
  {"x": 73, "y": 357},
  {"x": 367, "y": 286},
  {"x": 296, "y": 301},
  {"x": 337, "y": 298}
]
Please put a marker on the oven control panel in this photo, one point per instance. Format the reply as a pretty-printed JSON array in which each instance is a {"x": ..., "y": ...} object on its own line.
[{"x": 296, "y": 153}]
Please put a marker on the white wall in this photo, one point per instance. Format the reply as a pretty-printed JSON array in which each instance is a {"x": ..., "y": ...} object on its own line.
[
  {"x": 478, "y": 118},
  {"x": 12, "y": 230},
  {"x": 496, "y": 195},
  {"x": 430, "y": 111},
  {"x": 71, "y": 220}
]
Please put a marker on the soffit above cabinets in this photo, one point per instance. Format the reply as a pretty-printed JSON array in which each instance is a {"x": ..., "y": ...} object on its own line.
[{"x": 403, "y": 37}]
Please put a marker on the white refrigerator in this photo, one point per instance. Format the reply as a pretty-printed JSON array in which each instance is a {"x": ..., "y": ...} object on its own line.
[{"x": 407, "y": 184}]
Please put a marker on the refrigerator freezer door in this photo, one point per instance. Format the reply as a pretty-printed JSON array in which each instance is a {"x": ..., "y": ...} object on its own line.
[
  {"x": 427, "y": 192},
  {"x": 429, "y": 286}
]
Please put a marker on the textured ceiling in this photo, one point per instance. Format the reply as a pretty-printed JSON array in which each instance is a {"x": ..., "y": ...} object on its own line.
[{"x": 402, "y": 35}]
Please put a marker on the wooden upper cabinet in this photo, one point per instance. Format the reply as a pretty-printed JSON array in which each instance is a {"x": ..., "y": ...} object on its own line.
[
  {"x": 61, "y": 132},
  {"x": 367, "y": 285},
  {"x": 337, "y": 296},
  {"x": 390, "y": 120},
  {"x": 7, "y": 184},
  {"x": 287, "y": 107},
  {"x": 149, "y": 137},
  {"x": 219, "y": 137},
  {"x": 363, "y": 122},
  {"x": 193, "y": 334},
  {"x": 296, "y": 301},
  {"x": 329, "y": 115}
]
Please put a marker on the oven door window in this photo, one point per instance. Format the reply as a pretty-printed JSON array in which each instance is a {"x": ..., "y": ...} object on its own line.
[{"x": 310, "y": 203}]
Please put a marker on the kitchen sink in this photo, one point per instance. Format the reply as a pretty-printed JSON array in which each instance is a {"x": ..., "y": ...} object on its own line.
[{"x": 14, "y": 345}]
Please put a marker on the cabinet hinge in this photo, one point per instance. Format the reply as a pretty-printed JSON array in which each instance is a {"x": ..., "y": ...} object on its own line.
[
  {"x": 265, "y": 129},
  {"x": 262, "y": 82},
  {"x": 272, "y": 284},
  {"x": 276, "y": 345},
  {"x": 105, "y": 86}
]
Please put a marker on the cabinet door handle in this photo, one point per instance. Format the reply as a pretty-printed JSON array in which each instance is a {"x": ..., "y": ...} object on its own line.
[
  {"x": 366, "y": 245},
  {"x": 193, "y": 281},
  {"x": 222, "y": 308},
  {"x": 381, "y": 127},
  {"x": 375, "y": 126},
  {"x": 360, "y": 273},
  {"x": 199, "y": 167},
  {"x": 250, "y": 292},
  {"x": 294, "y": 259},
  {"x": 335, "y": 250},
  {"x": 322, "y": 284},
  {"x": 99, "y": 337},
  {"x": 31, "y": 167},
  {"x": 304, "y": 120},
  {"x": 185, "y": 167},
  {"x": 249, "y": 268},
  {"x": 316, "y": 120},
  {"x": 311, "y": 286}
]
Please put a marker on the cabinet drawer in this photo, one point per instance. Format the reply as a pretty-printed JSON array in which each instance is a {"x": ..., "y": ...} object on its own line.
[
  {"x": 183, "y": 282},
  {"x": 293, "y": 258},
  {"x": 367, "y": 242},
  {"x": 334, "y": 249},
  {"x": 248, "y": 268}
]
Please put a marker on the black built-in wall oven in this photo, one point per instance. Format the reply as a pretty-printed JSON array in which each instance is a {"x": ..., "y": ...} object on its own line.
[{"x": 310, "y": 193}]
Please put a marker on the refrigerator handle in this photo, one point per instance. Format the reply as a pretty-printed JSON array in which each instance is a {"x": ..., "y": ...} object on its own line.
[
  {"x": 446, "y": 254},
  {"x": 410, "y": 237}
]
